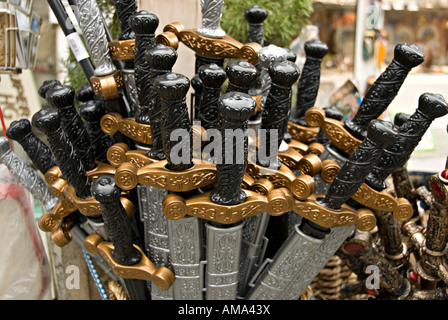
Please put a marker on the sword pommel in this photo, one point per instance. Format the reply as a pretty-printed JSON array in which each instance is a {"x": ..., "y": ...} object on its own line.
[
  {"x": 144, "y": 23},
  {"x": 408, "y": 55},
  {"x": 46, "y": 86},
  {"x": 315, "y": 49},
  {"x": 60, "y": 96},
  {"x": 161, "y": 58}
]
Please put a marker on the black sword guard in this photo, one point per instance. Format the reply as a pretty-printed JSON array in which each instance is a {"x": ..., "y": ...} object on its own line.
[
  {"x": 234, "y": 109},
  {"x": 63, "y": 99},
  {"x": 144, "y": 25},
  {"x": 48, "y": 122},
  {"x": 276, "y": 111},
  {"x": 116, "y": 220},
  {"x": 431, "y": 107},
  {"x": 309, "y": 82},
  {"x": 160, "y": 60},
  {"x": 92, "y": 111},
  {"x": 172, "y": 89},
  {"x": 385, "y": 88},
  {"x": 39, "y": 153},
  {"x": 212, "y": 78},
  {"x": 240, "y": 74},
  {"x": 125, "y": 9},
  {"x": 380, "y": 135}
]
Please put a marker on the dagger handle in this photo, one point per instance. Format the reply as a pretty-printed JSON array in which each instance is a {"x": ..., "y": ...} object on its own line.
[
  {"x": 48, "y": 122},
  {"x": 92, "y": 111},
  {"x": 308, "y": 86},
  {"x": 39, "y": 153},
  {"x": 385, "y": 88},
  {"x": 116, "y": 221},
  {"x": 172, "y": 89},
  {"x": 95, "y": 36},
  {"x": 26, "y": 175},
  {"x": 46, "y": 86},
  {"x": 212, "y": 77},
  {"x": 125, "y": 9},
  {"x": 144, "y": 25},
  {"x": 275, "y": 114},
  {"x": 160, "y": 60},
  {"x": 240, "y": 74},
  {"x": 234, "y": 109},
  {"x": 256, "y": 16},
  {"x": 266, "y": 57},
  {"x": 62, "y": 98},
  {"x": 380, "y": 134},
  {"x": 431, "y": 106}
]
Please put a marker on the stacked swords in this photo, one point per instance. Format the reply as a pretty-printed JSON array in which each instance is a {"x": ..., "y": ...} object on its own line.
[{"x": 237, "y": 194}]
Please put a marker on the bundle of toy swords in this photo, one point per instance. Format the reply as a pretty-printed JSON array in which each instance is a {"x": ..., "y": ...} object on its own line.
[{"x": 239, "y": 195}]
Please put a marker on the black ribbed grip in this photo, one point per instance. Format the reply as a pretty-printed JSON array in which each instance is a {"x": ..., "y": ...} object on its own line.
[
  {"x": 63, "y": 99},
  {"x": 48, "y": 122},
  {"x": 212, "y": 78},
  {"x": 276, "y": 111},
  {"x": 385, "y": 88},
  {"x": 38, "y": 152},
  {"x": 380, "y": 135},
  {"x": 116, "y": 221},
  {"x": 172, "y": 89},
  {"x": 144, "y": 25},
  {"x": 309, "y": 82},
  {"x": 125, "y": 9},
  {"x": 160, "y": 60},
  {"x": 234, "y": 109},
  {"x": 431, "y": 107}
]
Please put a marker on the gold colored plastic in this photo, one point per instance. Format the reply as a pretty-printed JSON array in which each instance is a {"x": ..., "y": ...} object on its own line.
[
  {"x": 302, "y": 133},
  {"x": 283, "y": 177},
  {"x": 311, "y": 209},
  {"x": 122, "y": 49},
  {"x": 226, "y": 47},
  {"x": 290, "y": 158},
  {"x": 162, "y": 277},
  {"x": 108, "y": 87},
  {"x": 113, "y": 122}
]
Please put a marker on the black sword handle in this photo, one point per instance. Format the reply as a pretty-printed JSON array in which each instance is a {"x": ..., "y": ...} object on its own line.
[
  {"x": 277, "y": 108},
  {"x": 84, "y": 94},
  {"x": 380, "y": 135},
  {"x": 256, "y": 16},
  {"x": 61, "y": 15},
  {"x": 212, "y": 77},
  {"x": 309, "y": 82},
  {"x": 116, "y": 221},
  {"x": 46, "y": 86},
  {"x": 38, "y": 152},
  {"x": 144, "y": 25},
  {"x": 172, "y": 89},
  {"x": 240, "y": 74},
  {"x": 385, "y": 88},
  {"x": 63, "y": 99},
  {"x": 235, "y": 109},
  {"x": 125, "y": 9},
  {"x": 400, "y": 118},
  {"x": 92, "y": 111},
  {"x": 196, "y": 84},
  {"x": 431, "y": 107},
  {"x": 48, "y": 122},
  {"x": 160, "y": 60}
]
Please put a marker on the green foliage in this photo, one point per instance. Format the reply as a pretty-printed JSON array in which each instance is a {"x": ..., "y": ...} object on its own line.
[{"x": 286, "y": 18}]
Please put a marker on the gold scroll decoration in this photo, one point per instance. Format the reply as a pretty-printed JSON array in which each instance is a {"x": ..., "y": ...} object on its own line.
[
  {"x": 276, "y": 203},
  {"x": 311, "y": 209},
  {"x": 225, "y": 47},
  {"x": 162, "y": 277},
  {"x": 109, "y": 87},
  {"x": 400, "y": 207},
  {"x": 122, "y": 49},
  {"x": 333, "y": 129},
  {"x": 302, "y": 133}
]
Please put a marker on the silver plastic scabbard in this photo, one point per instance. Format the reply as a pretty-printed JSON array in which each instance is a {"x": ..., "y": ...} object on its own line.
[
  {"x": 26, "y": 175},
  {"x": 223, "y": 253},
  {"x": 252, "y": 249},
  {"x": 211, "y": 19},
  {"x": 186, "y": 252},
  {"x": 155, "y": 233}
]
